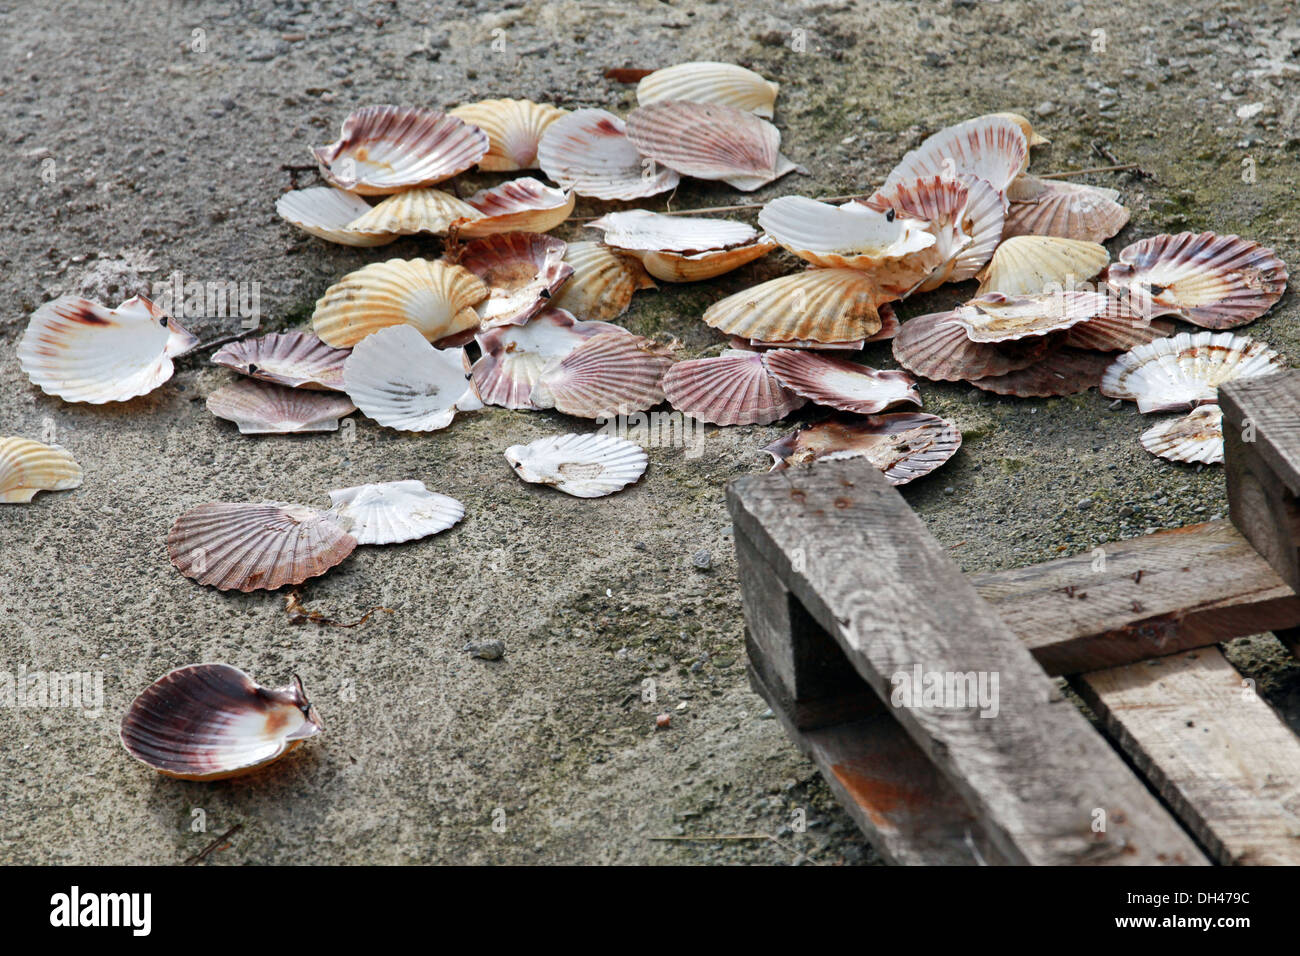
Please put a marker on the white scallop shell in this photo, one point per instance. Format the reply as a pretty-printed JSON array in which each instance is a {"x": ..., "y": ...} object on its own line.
[
  {"x": 643, "y": 230},
  {"x": 991, "y": 147},
  {"x": 329, "y": 214},
  {"x": 1196, "y": 438},
  {"x": 28, "y": 467},
  {"x": 995, "y": 317},
  {"x": 520, "y": 205},
  {"x": 1185, "y": 370},
  {"x": 514, "y": 356},
  {"x": 394, "y": 511},
  {"x": 264, "y": 408},
  {"x": 585, "y": 466},
  {"x": 838, "y": 383},
  {"x": 84, "y": 352},
  {"x": 589, "y": 152},
  {"x": 710, "y": 82},
  {"x": 401, "y": 381},
  {"x": 1030, "y": 265}
]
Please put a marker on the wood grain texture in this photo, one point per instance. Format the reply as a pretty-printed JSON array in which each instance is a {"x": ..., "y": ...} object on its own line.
[
  {"x": 1144, "y": 597},
  {"x": 1272, "y": 405},
  {"x": 869, "y": 572},
  {"x": 1218, "y": 754}
]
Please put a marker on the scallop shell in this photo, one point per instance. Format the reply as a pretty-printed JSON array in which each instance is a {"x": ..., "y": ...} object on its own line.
[
  {"x": 709, "y": 141},
  {"x": 611, "y": 374},
  {"x": 415, "y": 211},
  {"x": 213, "y": 721},
  {"x": 295, "y": 359},
  {"x": 520, "y": 205},
  {"x": 837, "y": 383},
  {"x": 1066, "y": 371},
  {"x": 936, "y": 347},
  {"x": 1216, "y": 282},
  {"x": 898, "y": 254},
  {"x": 84, "y": 352},
  {"x": 1031, "y": 265},
  {"x": 589, "y": 153},
  {"x": 1039, "y": 207},
  {"x": 514, "y": 356},
  {"x": 683, "y": 248},
  {"x": 991, "y": 147},
  {"x": 328, "y": 214},
  {"x": 385, "y": 149},
  {"x": 1002, "y": 318},
  {"x": 708, "y": 82},
  {"x": 436, "y": 298},
  {"x": 513, "y": 127},
  {"x": 522, "y": 271},
  {"x": 263, "y": 408},
  {"x": 903, "y": 445},
  {"x": 1031, "y": 136},
  {"x": 820, "y": 305},
  {"x": 1196, "y": 438},
  {"x": 585, "y": 466},
  {"x": 403, "y": 382},
  {"x": 1185, "y": 370},
  {"x": 28, "y": 467},
  {"x": 246, "y": 546},
  {"x": 602, "y": 283},
  {"x": 965, "y": 218},
  {"x": 1117, "y": 329},
  {"x": 394, "y": 511},
  {"x": 732, "y": 389}
]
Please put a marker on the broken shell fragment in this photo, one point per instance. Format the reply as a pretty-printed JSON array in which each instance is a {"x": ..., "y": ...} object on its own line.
[
  {"x": 295, "y": 359},
  {"x": 84, "y": 352},
  {"x": 991, "y": 147},
  {"x": 602, "y": 283},
  {"x": 1040, "y": 207},
  {"x": 247, "y": 546},
  {"x": 683, "y": 248},
  {"x": 903, "y": 446},
  {"x": 329, "y": 214},
  {"x": 1216, "y": 282},
  {"x": 936, "y": 347},
  {"x": 1065, "y": 371},
  {"x": 213, "y": 721},
  {"x": 436, "y": 298},
  {"x": 264, "y": 408},
  {"x": 514, "y": 356},
  {"x": 897, "y": 253},
  {"x": 611, "y": 374},
  {"x": 403, "y": 382},
  {"x": 28, "y": 467},
  {"x": 589, "y": 153},
  {"x": 394, "y": 511},
  {"x": 708, "y": 82},
  {"x": 1185, "y": 370},
  {"x": 1002, "y": 318},
  {"x": 522, "y": 272},
  {"x": 585, "y": 466},
  {"x": 710, "y": 141},
  {"x": 735, "y": 388},
  {"x": 385, "y": 149},
  {"x": 513, "y": 127},
  {"x": 520, "y": 205},
  {"x": 1032, "y": 265},
  {"x": 819, "y": 305},
  {"x": 838, "y": 383},
  {"x": 1195, "y": 438},
  {"x": 414, "y": 211}
]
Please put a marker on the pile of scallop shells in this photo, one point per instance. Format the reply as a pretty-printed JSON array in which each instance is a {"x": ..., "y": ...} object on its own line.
[{"x": 513, "y": 317}]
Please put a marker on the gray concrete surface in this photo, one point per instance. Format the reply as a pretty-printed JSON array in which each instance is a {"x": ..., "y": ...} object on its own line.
[{"x": 127, "y": 147}]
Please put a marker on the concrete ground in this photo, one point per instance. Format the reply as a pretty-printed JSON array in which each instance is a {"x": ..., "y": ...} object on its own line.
[{"x": 151, "y": 135}]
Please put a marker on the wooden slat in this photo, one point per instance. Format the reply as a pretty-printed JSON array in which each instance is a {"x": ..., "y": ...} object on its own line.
[
  {"x": 1272, "y": 406},
  {"x": 906, "y": 808},
  {"x": 1218, "y": 754},
  {"x": 875, "y": 579},
  {"x": 1158, "y": 594}
]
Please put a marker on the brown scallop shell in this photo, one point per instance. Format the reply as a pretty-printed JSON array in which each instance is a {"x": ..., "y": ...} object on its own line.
[
  {"x": 820, "y": 305},
  {"x": 264, "y": 408},
  {"x": 247, "y": 547},
  {"x": 838, "y": 383},
  {"x": 213, "y": 721},
  {"x": 602, "y": 284},
  {"x": 903, "y": 445},
  {"x": 1039, "y": 207},
  {"x": 520, "y": 205},
  {"x": 1117, "y": 329},
  {"x": 1065, "y": 371},
  {"x": 936, "y": 347},
  {"x": 522, "y": 270},
  {"x": 734, "y": 388},
  {"x": 295, "y": 359},
  {"x": 608, "y": 375},
  {"x": 1194, "y": 438}
]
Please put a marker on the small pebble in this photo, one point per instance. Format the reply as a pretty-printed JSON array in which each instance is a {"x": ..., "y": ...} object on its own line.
[
  {"x": 487, "y": 650},
  {"x": 702, "y": 560},
  {"x": 664, "y": 721},
  {"x": 1084, "y": 504}
]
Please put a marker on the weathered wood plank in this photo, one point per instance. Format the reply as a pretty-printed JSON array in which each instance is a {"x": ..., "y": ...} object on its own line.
[
  {"x": 1218, "y": 754},
  {"x": 1265, "y": 413},
  {"x": 869, "y": 572},
  {"x": 908, "y": 811},
  {"x": 1144, "y": 597}
]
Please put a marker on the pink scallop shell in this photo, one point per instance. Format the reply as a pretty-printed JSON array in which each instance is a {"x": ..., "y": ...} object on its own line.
[
  {"x": 264, "y": 408},
  {"x": 608, "y": 375},
  {"x": 523, "y": 204},
  {"x": 991, "y": 147},
  {"x": 1040, "y": 207},
  {"x": 295, "y": 359},
  {"x": 936, "y": 347},
  {"x": 523, "y": 272},
  {"x": 838, "y": 383},
  {"x": 588, "y": 152},
  {"x": 733, "y": 388},
  {"x": 514, "y": 357},
  {"x": 1065, "y": 371}
]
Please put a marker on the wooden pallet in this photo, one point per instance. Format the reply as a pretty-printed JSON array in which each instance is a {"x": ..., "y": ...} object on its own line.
[{"x": 846, "y": 595}]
